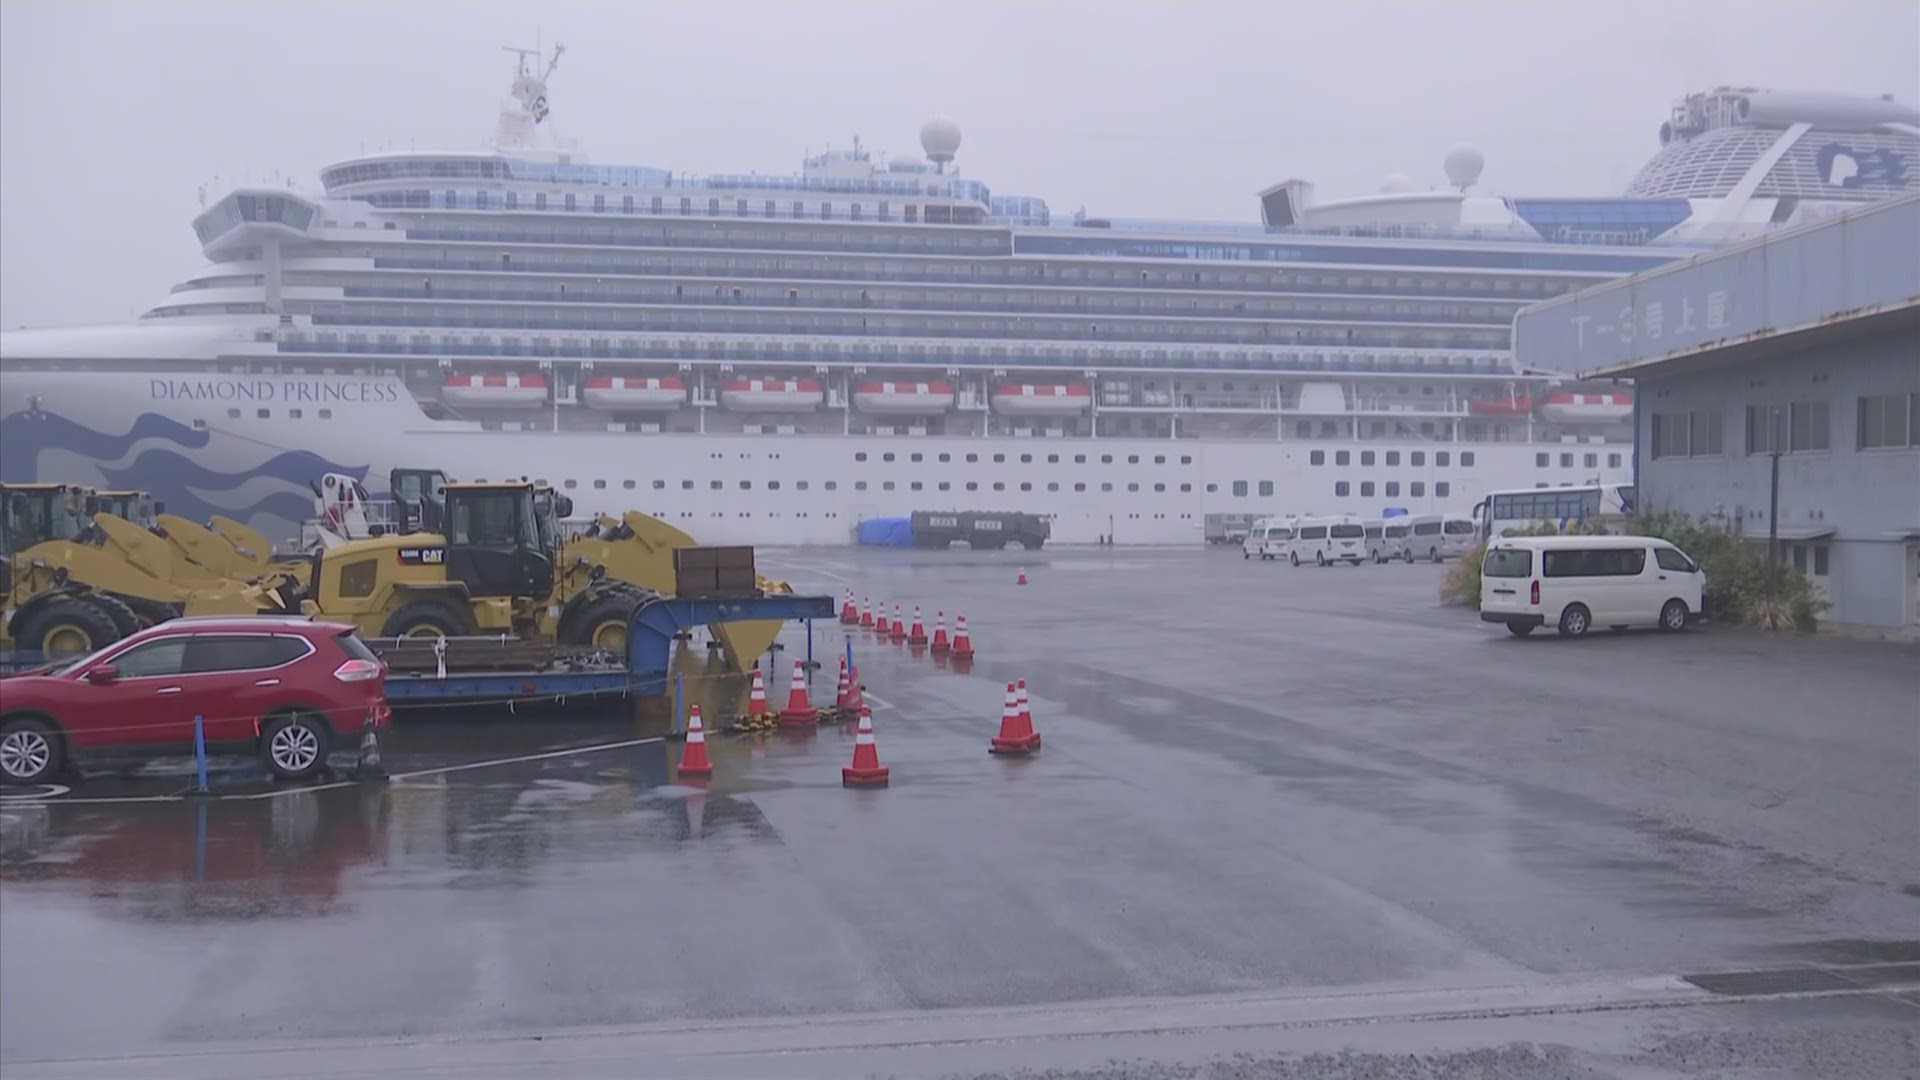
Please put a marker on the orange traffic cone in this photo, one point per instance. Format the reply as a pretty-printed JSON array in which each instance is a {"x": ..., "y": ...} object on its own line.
[
  {"x": 1026, "y": 714},
  {"x": 757, "y": 695},
  {"x": 840, "y": 692},
  {"x": 1012, "y": 738},
  {"x": 855, "y": 700},
  {"x": 940, "y": 642},
  {"x": 693, "y": 755},
  {"x": 962, "y": 644},
  {"x": 799, "y": 710},
  {"x": 898, "y": 631},
  {"x": 848, "y": 613},
  {"x": 866, "y": 616},
  {"x": 880, "y": 624},
  {"x": 1022, "y": 579},
  {"x": 917, "y": 633},
  {"x": 866, "y": 770}
]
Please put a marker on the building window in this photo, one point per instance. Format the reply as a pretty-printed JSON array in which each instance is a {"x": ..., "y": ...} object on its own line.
[
  {"x": 1417, "y": 457},
  {"x": 715, "y": 485},
  {"x": 1026, "y": 459},
  {"x": 1053, "y": 486},
  {"x": 1820, "y": 561},
  {"x": 1341, "y": 457},
  {"x": 886, "y": 485},
  {"x": 658, "y": 485},
  {"x": 1133, "y": 487},
  {"x": 599, "y": 485},
  {"x": 1797, "y": 428},
  {"x": 1080, "y": 486},
  {"x": 1393, "y": 457},
  {"x": 1266, "y": 487},
  {"x": 999, "y": 485},
  {"x": 1317, "y": 457},
  {"x": 1366, "y": 489},
  {"x": 888, "y": 456},
  {"x": 1079, "y": 459},
  {"x": 946, "y": 457},
  {"x": 831, "y": 485},
  {"x": 1440, "y": 458},
  {"x": 1613, "y": 461},
  {"x": 944, "y": 486},
  {"x": 1159, "y": 459},
  {"x": 999, "y": 458},
  {"x": 1106, "y": 459},
  {"x": 773, "y": 485},
  {"x": 1240, "y": 488},
  {"x": 1159, "y": 487},
  {"x": 1887, "y": 421},
  {"x": 686, "y": 485},
  {"x": 1186, "y": 487},
  {"x": 1441, "y": 489},
  {"x": 972, "y": 486},
  {"x": 1542, "y": 459},
  {"x": 913, "y": 457},
  {"x": 1053, "y": 459},
  {"x": 1341, "y": 488},
  {"x": 1466, "y": 459},
  {"x": 1417, "y": 488},
  {"x": 860, "y": 455},
  {"x": 800, "y": 485},
  {"x": 1212, "y": 488},
  {"x": 1366, "y": 458},
  {"x": 971, "y": 458},
  {"x": 1026, "y": 485},
  {"x": 1393, "y": 489},
  {"x": 1566, "y": 461},
  {"x": 1106, "y": 486},
  {"x": 326, "y": 414},
  {"x": 1133, "y": 459},
  {"x": 1591, "y": 461},
  {"x": 859, "y": 485},
  {"x": 293, "y": 414},
  {"x": 1186, "y": 459}
]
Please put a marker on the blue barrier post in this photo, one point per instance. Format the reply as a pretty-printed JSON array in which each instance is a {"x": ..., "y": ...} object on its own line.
[
  {"x": 200, "y": 842},
  {"x": 199, "y": 756},
  {"x": 849, "y": 653},
  {"x": 810, "y": 664},
  {"x": 679, "y": 702}
]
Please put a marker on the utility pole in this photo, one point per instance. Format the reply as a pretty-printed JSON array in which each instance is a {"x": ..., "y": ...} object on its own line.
[{"x": 1773, "y": 502}]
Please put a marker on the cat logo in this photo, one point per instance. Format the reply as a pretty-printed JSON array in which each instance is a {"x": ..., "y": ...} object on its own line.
[{"x": 423, "y": 556}]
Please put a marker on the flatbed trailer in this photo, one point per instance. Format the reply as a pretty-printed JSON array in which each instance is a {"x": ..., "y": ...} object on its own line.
[{"x": 642, "y": 672}]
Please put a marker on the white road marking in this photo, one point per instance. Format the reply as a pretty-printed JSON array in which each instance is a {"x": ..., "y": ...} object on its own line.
[
  {"x": 875, "y": 701},
  {"x": 526, "y": 757}
]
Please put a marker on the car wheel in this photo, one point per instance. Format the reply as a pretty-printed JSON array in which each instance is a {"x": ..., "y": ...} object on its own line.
[
  {"x": 1246, "y": 554},
  {"x": 1293, "y": 557},
  {"x": 1673, "y": 617},
  {"x": 1409, "y": 556},
  {"x": 1519, "y": 629},
  {"x": 1319, "y": 558},
  {"x": 30, "y": 751},
  {"x": 294, "y": 746},
  {"x": 1575, "y": 621},
  {"x": 1434, "y": 554}
]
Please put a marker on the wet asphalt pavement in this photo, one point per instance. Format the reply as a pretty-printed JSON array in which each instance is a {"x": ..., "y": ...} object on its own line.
[{"x": 1286, "y": 822}]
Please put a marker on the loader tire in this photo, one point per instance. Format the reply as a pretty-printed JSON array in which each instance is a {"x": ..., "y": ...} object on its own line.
[
  {"x": 150, "y": 612},
  {"x": 125, "y": 619},
  {"x": 67, "y": 626},
  {"x": 428, "y": 619}
]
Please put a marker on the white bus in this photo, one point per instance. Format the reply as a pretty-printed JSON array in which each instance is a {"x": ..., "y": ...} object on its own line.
[
  {"x": 1439, "y": 536},
  {"x": 1606, "y": 506}
]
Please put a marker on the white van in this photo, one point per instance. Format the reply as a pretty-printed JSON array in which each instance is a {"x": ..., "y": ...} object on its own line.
[
  {"x": 1393, "y": 539},
  {"x": 1439, "y": 536},
  {"x": 1575, "y": 583},
  {"x": 1328, "y": 540},
  {"x": 1267, "y": 539},
  {"x": 1376, "y": 538}
]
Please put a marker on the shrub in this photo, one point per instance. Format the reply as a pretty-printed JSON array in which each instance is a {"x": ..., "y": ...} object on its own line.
[{"x": 1461, "y": 585}]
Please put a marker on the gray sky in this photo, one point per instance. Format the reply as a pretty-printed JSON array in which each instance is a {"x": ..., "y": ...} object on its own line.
[{"x": 112, "y": 115}]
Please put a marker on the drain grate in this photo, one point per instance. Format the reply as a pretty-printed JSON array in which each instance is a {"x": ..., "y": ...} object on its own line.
[
  {"x": 1783, "y": 981},
  {"x": 1885, "y": 976}
]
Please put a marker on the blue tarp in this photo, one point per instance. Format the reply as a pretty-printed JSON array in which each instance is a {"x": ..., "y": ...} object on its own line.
[{"x": 885, "y": 532}]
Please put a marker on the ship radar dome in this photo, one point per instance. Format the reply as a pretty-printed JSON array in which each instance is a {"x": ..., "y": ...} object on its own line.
[
  {"x": 1396, "y": 184},
  {"x": 940, "y": 138},
  {"x": 1463, "y": 164}
]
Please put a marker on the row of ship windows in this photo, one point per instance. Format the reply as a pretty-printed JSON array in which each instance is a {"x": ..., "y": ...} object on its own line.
[
  {"x": 1588, "y": 461},
  {"x": 482, "y": 199},
  {"x": 1342, "y": 489},
  {"x": 1441, "y": 458},
  {"x": 886, "y": 485}
]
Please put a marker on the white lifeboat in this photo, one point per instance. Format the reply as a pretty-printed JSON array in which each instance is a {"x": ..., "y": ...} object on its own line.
[
  {"x": 771, "y": 395},
  {"x": 634, "y": 392},
  {"x": 494, "y": 390},
  {"x": 911, "y": 398},
  {"x": 1042, "y": 399},
  {"x": 1587, "y": 408}
]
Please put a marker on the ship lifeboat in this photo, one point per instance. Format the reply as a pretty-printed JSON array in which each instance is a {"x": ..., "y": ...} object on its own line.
[
  {"x": 1041, "y": 399},
  {"x": 771, "y": 395},
  {"x": 494, "y": 391},
  {"x": 1587, "y": 408},
  {"x": 1506, "y": 405},
  {"x": 909, "y": 398},
  {"x": 634, "y": 392}
]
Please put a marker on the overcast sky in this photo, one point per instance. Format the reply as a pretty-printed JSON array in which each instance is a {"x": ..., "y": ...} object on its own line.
[{"x": 113, "y": 115}]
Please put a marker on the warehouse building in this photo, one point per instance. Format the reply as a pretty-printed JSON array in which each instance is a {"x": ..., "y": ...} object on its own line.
[{"x": 1803, "y": 345}]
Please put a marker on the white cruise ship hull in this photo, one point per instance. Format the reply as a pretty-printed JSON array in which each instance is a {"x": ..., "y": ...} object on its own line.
[{"x": 177, "y": 434}]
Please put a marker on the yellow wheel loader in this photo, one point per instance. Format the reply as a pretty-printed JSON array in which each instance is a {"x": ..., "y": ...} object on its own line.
[{"x": 72, "y": 585}]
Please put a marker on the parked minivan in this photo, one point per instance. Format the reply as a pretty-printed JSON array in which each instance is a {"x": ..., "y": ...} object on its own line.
[
  {"x": 1267, "y": 539},
  {"x": 1328, "y": 540},
  {"x": 1394, "y": 539},
  {"x": 1439, "y": 536},
  {"x": 1577, "y": 582},
  {"x": 1376, "y": 539}
]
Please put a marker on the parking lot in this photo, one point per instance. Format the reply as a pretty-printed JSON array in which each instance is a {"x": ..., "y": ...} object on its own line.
[{"x": 1272, "y": 802}]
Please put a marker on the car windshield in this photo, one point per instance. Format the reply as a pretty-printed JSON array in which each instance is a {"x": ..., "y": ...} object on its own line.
[{"x": 1508, "y": 563}]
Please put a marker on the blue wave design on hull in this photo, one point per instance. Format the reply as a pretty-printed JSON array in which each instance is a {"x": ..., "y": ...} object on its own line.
[{"x": 172, "y": 477}]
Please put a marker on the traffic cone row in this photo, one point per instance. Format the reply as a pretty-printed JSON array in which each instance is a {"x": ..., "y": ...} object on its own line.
[
  {"x": 849, "y": 615},
  {"x": 917, "y": 633},
  {"x": 898, "y": 630},
  {"x": 799, "y": 710}
]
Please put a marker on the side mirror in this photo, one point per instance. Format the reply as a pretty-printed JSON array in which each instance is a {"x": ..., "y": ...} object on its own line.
[
  {"x": 159, "y": 507},
  {"x": 102, "y": 673}
]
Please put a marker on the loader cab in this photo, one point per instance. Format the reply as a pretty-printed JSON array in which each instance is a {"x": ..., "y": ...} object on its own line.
[
  {"x": 137, "y": 507},
  {"x": 33, "y": 514},
  {"x": 494, "y": 546},
  {"x": 419, "y": 499}
]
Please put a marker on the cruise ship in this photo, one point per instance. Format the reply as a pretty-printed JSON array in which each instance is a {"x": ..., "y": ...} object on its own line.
[{"x": 772, "y": 359}]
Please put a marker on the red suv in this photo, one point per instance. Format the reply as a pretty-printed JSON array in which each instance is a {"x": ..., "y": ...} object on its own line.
[{"x": 284, "y": 688}]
